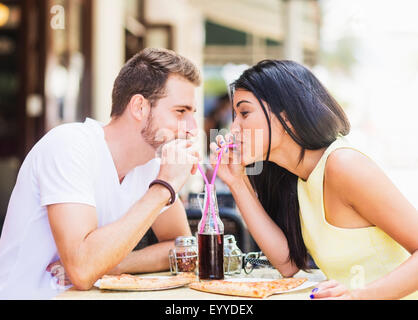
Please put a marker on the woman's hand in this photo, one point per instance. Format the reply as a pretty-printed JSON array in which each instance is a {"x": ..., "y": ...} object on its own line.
[
  {"x": 230, "y": 168},
  {"x": 332, "y": 290}
]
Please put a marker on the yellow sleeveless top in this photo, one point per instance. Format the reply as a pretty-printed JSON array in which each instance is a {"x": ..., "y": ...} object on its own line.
[{"x": 353, "y": 257}]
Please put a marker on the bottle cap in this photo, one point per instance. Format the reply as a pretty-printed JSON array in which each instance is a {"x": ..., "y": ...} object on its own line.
[{"x": 229, "y": 238}]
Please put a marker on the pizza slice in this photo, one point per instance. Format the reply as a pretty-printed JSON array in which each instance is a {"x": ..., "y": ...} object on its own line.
[
  {"x": 132, "y": 282},
  {"x": 282, "y": 285},
  {"x": 260, "y": 289},
  {"x": 242, "y": 289}
]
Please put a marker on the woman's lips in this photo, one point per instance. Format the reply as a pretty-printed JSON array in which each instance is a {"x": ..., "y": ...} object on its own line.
[{"x": 240, "y": 145}]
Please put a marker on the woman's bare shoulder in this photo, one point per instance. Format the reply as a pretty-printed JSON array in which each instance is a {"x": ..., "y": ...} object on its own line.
[
  {"x": 349, "y": 171},
  {"x": 346, "y": 162}
]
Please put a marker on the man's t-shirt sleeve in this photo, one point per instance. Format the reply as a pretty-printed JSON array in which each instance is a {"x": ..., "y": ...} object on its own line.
[{"x": 65, "y": 171}]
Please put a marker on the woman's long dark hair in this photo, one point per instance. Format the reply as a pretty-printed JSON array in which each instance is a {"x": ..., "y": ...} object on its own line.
[{"x": 317, "y": 120}]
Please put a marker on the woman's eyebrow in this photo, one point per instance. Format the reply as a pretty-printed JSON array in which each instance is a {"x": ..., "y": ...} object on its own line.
[{"x": 242, "y": 101}]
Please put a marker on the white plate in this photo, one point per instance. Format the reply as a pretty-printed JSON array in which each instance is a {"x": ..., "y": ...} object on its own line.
[
  {"x": 97, "y": 284},
  {"x": 249, "y": 279},
  {"x": 305, "y": 285}
]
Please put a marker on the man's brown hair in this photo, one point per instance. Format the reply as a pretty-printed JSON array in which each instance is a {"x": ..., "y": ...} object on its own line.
[{"x": 146, "y": 73}]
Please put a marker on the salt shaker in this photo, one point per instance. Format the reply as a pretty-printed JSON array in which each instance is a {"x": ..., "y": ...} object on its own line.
[{"x": 232, "y": 256}]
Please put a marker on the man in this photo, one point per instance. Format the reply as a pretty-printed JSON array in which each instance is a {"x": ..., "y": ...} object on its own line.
[{"x": 82, "y": 195}]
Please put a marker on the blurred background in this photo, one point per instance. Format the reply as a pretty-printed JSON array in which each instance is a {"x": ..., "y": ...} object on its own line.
[{"x": 59, "y": 58}]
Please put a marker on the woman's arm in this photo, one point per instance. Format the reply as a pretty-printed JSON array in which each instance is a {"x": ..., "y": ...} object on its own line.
[
  {"x": 269, "y": 237},
  {"x": 396, "y": 284},
  {"x": 362, "y": 185},
  {"x": 153, "y": 258}
]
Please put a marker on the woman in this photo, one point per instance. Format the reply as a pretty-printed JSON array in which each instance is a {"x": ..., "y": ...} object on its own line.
[{"x": 313, "y": 192}]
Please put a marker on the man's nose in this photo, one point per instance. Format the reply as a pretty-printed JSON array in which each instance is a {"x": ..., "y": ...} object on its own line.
[{"x": 191, "y": 128}]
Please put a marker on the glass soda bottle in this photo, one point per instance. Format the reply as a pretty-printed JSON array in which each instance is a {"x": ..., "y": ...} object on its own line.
[{"x": 210, "y": 238}]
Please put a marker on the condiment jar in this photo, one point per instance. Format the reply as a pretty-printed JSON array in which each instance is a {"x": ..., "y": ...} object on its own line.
[
  {"x": 183, "y": 258},
  {"x": 232, "y": 256}
]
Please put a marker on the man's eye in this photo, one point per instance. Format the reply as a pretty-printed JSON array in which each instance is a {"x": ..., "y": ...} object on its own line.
[{"x": 181, "y": 111}]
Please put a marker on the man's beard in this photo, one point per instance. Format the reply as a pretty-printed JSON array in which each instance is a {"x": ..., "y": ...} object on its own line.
[{"x": 155, "y": 137}]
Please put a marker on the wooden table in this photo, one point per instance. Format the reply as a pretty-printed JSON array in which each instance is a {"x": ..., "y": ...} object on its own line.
[{"x": 185, "y": 293}]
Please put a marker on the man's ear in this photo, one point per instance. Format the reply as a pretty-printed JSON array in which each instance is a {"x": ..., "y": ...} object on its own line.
[{"x": 139, "y": 107}]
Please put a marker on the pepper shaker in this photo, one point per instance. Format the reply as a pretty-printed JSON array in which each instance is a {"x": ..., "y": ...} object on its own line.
[{"x": 183, "y": 258}]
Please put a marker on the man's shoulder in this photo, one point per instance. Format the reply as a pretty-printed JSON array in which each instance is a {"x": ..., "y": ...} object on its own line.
[
  {"x": 68, "y": 135},
  {"x": 66, "y": 143},
  {"x": 71, "y": 130}
]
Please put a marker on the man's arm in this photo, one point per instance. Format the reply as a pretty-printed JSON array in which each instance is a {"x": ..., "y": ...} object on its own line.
[
  {"x": 88, "y": 252},
  {"x": 167, "y": 227}
]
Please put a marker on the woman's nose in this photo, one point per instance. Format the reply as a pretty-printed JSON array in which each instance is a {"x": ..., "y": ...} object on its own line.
[{"x": 235, "y": 127}]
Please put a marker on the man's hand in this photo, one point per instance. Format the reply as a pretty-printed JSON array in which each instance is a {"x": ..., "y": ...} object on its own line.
[
  {"x": 58, "y": 271},
  {"x": 179, "y": 159}
]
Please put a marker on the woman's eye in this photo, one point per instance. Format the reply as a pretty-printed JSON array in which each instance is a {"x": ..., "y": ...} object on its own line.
[
  {"x": 181, "y": 111},
  {"x": 244, "y": 113}
]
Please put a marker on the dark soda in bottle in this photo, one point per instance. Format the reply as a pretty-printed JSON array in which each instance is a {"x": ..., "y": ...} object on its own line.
[
  {"x": 211, "y": 257},
  {"x": 210, "y": 239}
]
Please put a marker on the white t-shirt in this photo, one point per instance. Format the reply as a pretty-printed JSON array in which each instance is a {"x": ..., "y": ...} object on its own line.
[{"x": 71, "y": 163}]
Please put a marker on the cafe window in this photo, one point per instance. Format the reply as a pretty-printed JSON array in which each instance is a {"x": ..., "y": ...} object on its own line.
[
  {"x": 10, "y": 16},
  {"x": 220, "y": 35},
  {"x": 140, "y": 33}
]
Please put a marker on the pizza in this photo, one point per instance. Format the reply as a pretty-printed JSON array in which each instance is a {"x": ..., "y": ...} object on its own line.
[
  {"x": 132, "y": 282},
  {"x": 259, "y": 289}
]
